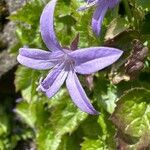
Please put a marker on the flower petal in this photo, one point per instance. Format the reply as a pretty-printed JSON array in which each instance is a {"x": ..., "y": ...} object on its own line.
[
  {"x": 35, "y": 63},
  {"x": 90, "y": 60},
  {"x": 112, "y": 3},
  {"x": 98, "y": 17},
  {"x": 47, "y": 26},
  {"x": 35, "y": 53},
  {"x": 36, "y": 58},
  {"x": 78, "y": 95},
  {"x": 54, "y": 80}
]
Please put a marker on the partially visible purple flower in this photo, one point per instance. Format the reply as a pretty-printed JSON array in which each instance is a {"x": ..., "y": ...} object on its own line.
[
  {"x": 64, "y": 64},
  {"x": 101, "y": 8}
]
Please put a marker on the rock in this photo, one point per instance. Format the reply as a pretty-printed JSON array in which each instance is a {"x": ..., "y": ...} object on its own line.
[
  {"x": 7, "y": 62},
  {"x": 9, "y": 35},
  {"x": 3, "y": 43},
  {"x": 3, "y": 14},
  {"x": 13, "y": 5}
]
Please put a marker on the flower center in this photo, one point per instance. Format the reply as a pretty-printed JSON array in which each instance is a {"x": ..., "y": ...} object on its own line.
[{"x": 69, "y": 62}]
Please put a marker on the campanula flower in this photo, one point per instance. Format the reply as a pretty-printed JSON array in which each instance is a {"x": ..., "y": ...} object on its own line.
[
  {"x": 64, "y": 63},
  {"x": 101, "y": 8}
]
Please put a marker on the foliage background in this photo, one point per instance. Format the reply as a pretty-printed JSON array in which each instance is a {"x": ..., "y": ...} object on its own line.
[{"x": 31, "y": 120}]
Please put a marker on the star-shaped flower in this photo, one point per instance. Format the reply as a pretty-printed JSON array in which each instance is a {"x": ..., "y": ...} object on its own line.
[
  {"x": 64, "y": 64},
  {"x": 101, "y": 8}
]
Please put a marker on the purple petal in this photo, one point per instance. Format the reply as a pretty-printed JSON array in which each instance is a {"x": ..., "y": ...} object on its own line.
[
  {"x": 35, "y": 53},
  {"x": 78, "y": 95},
  {"x": 35, "y": 58},
  {"x": 90, "y": 60},
  {"x": 98, "y": 17},
  {"x": 112, "y": 3},
  {"x": 54, "y": 81},
  {"x": 47, "y": 27}
]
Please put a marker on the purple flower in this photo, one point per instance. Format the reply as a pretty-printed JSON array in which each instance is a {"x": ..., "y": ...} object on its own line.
[
  {"x": 101, "y": 8},
  {"x": 64, "y": 64}
]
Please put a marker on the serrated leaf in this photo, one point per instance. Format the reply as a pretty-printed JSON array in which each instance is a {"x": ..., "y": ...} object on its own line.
[
  {"x": 107, "y": 131},
  {"x": 47, "y": 140},
  {"x": 65, "y": 21},
  {"x": 25, "y": 112},
  {"x": 33, "y": 114},
  {"x": 27, "y": 31},
  {"x": 132, "y": 114},
  {"x": 102, "y": 135},
  {"x": 22, "y": 78},
  {"x": 65, "y": 118},
  {"x": 27, "y": 94},
  {"x": 90, "y": 144},
  {"x": 105, "y": 93},
  {"x": 25, "y": 14},
  {"x": 70, "y": 142},
  {"x": 117, "y": 26},
  {"x": 25, "y": 77},
  {"x": 92, "y": 124}
]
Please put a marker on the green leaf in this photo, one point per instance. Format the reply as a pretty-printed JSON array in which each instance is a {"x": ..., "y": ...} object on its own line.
[
  {"x": 71, "y": 141},
  {"x": 91, "y": 122},
  {"x": 27, "y": 25},
  {"x": 107, "y": 130},
  {"x": 25, "y": 14},
  {"x": 105, "y": 93},
  {"x": 84, "y": 29},
  {"x": 144, "y": 3},
  {"x": 22, "y": 78},
  {"x": 117, "y": 26},
  {"x": 65, "y": 118},
  {"x": 102, "y": 135},
  {"x": 63, "y": 123},
  {"x": 90, "y": 144},
  {"x": 50, "y": 127},
  {"x": 25, "y": 112},
  {"x": 132, "y": 115},
  {"x": 34, "y": 114},
  {"x": 28, "y": 95},
  {"x": 4, "y": 122},
  {"x": 47, "y": 140}
]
